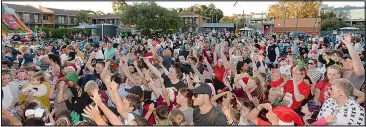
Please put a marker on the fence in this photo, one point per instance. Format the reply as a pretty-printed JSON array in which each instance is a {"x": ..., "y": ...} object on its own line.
[{"x": 324, "y": 33}]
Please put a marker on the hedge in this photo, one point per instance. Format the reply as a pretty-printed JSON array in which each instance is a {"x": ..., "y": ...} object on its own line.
[{"x": 60, "y": 32}]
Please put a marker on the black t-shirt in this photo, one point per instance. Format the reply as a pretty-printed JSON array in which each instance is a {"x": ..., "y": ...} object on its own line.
[
  {"x": 184, "y": 53},
  {"x": 214, "y": 117},
  {"x": 99, "y": 81},
  {"x": 168, "y": 83},
  {"x": 272, "y": 52}
]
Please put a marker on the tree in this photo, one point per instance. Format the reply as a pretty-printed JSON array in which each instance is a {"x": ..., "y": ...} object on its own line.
[
  {"x": 118, "y": 6},
  {"x": 226, "y": 19},
  {"x": 99, "y": 13},
  {"x": 295, "y": 9},
  {"x": 330, "y": 21},
  {"x": 149, "y": 15},
  {"x": 211, "y": 11},
  {"x": 82, "y": 17}
]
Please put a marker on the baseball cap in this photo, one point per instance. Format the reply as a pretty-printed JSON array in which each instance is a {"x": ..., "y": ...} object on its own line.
[
  {"x": 202, "y": 89},
  {"x": 136, "y": 90},
  {"x": 270, "y": 66}
]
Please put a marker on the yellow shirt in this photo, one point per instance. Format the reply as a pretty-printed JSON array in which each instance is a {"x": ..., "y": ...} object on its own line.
[
  {"x": 44, "y": 100},
  {"x": 80, "y": 54}
]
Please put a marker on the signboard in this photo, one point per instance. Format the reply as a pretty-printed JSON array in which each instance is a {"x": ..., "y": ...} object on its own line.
[{"x": 334, "y": 31}]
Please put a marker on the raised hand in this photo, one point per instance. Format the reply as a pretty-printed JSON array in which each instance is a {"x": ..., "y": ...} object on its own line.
[
  {"x": 96, "y": 97},
  {"x": 113, "y": 85},
  {"x": 91, "y": 112},
  {"x": 347, "y": 39},
  {"x": 330, "y": 118},
  {"x": 152, "y": 107},
  {"x": 272, "y": 117}
]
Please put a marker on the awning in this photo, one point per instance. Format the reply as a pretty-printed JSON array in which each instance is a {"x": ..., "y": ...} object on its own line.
[{"x": 246, "y": 29}]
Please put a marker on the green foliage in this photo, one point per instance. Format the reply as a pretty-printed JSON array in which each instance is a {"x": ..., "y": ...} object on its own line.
[
  {"x": 149, "y": 15},
  {"x": 82, "y": 17},
  {"x": 118, "y": 6},
  {"x": 226, "y": 19},
  {"x": 60, "y": 32},
  {"x": 211, "y": 12},
  {"x": 331, "y": 22}
]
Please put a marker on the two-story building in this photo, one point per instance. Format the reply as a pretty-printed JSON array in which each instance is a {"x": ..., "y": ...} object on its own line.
[
  {"x": 31, "y": 16},
  {"x": 192, "y": 22},
  {"x": 64, "y": 18},
  {"x": 353, "y": 16}
]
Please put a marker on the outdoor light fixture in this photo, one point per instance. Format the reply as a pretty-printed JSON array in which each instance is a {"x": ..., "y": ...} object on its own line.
[{"x": 279, "y": 24}]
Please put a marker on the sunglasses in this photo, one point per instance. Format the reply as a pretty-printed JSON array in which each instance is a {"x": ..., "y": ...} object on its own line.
[
  {"x": 196, "y": 95},
  {"x": 311, "y": 63}
]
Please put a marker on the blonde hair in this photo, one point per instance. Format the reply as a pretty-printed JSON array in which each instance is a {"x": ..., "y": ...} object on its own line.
[
  {"x": 176, "y": 117},
  {"x": 90, "y": 85},
  {"x": 277, "y": 92},
  {"x": 345, "y": 85}
]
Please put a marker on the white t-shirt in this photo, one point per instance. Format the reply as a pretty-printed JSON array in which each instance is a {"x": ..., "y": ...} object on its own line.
[
  {"x": 286, "y": 70},
  {"x": 349, "y": 114},
  {"x": 99, "y": 55},
  {"x": 8, "y": 97},
  {"x": 129, "y": 119},
  {"x": 64, "y": 58}
]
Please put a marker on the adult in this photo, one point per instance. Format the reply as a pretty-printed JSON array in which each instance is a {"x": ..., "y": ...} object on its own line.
[
  {"x": 296, "y": 88},
  {"x": 60, "y": 92},
  {"x": 109, "y": 51},
  {"x": 313, "y": 70},
  {"x": 273, "y": 52},
  {"x": 97, "y": 70},
  {"x": 55, "y": 64},
  {"x": 322, "y": 91},
  {"x": 9, "y": 90},
  {"x": 354, "y": 70},
  {"x": 185, "y": 102},
  {"x": 341, "y": 105},
  {"x": 205, "y": 113}
]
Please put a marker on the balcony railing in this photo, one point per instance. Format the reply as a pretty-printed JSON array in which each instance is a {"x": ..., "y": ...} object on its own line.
[
  {"x": 31, "y": 20},
  {"x": 60, "y": 22}
]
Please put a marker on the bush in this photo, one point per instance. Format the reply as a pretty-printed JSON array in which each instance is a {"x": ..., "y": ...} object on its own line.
[{"x": 60, "y": 32}]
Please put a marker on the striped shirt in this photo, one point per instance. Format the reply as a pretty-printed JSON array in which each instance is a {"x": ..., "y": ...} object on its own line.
[{"x": 122, "y": 92}]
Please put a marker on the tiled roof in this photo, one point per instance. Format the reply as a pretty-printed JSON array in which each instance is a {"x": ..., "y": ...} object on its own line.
[
  {"x": 108, "y": 16},
  {"x": 218, "y": 25},
  {"x": 63, "y": 11},
  {"x": 187, "y": 14},
  {"x": 23, "y": 8}
]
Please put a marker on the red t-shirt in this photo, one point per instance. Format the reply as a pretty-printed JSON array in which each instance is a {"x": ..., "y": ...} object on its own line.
[
  {"x": 245, "y": 80},
  {"x": 277, "y": 83},
  {"x": 304, "y": 90},
  {"x": 262, "y": 122},
  {"x": 323, "y": 86},
  {"x": 219, "y": 72}
]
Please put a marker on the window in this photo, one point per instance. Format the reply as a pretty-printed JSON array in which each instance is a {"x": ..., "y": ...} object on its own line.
[
  {"x": 27, "y": 17},
  {"x": 110, "y": 21},
  {"x": 18, "y": 15},
  {"x": 61, "y": 19},
  {"x": 45, "y": 17},
  {"x": 36, "y": 17}
]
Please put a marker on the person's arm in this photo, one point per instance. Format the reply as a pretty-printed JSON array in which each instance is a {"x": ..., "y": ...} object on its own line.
[
  {"x": 61, "y": 97},
  {"x": 277, "y": 54},
  {"x": 92, "y": 112},
  {"x": 150, "y": 84},
  {"x": 215, "y": 97},
  {"x": 223, "y": 57},
  {"x": 215, "y": 57},
  {"x": 317, "y": 96},
  {"x": 253, "y": 115},
  {"x": 164, "y": 69},
  {"x": 112, "y": 118},
  {"x": 51, "y": 94},
  {"x": 119, "y": 104},
  {"x": 128, "y": 75},
  {"x": 356, "y": 61},
  {"x": 152, "y": 68},
  {"x": 88, "y": 63},
  {"x": 298, "y": 96},
  {"x": 138, "y": 69},
  {"x": 196, "y": 72},
  {"x": 360, "y": 96},
  {"x": 14, "y": 121},
  {"x": 151, "y": 110}
]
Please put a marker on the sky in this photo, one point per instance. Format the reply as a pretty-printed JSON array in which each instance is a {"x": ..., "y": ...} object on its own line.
[{"x": 226, "y": 7}]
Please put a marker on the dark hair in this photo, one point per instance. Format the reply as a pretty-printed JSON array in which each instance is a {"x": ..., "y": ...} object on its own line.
[
  {"x": 63, "y": 46},
  {"x": 55, "y": 58},
  {"x": 116, "y": 78},
  {"x": 162, "y": 112},
  {"x": 64, "y": 113},
  {"x": 247, "y": 103},
  {"x": 177, "y": 68},
  {"x": 134, "y": 100},
  {"x": 140, "y": 121},
  {"x": 188, "y": 94},
  {"x": 34, "y": 121},
  {"x": 85, "y": 123}
]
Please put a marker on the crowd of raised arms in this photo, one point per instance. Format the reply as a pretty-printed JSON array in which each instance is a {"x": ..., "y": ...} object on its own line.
[{"x": 186, "y": 79}]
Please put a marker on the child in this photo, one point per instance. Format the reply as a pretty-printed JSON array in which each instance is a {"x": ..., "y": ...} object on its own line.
[
  {"x": 21, "y": 78},
  {"x": 72, "y": 53},
  {"x": 71, "y": 74},
  {"x": 310, "y": 111},
  {"x": 285, "y": 68},
  {"x": 37, "y": 89},
  {"x": 26, "y": 55}
]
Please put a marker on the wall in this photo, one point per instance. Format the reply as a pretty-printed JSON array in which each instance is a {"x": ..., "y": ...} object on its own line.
[{"x": 304, "y": 24}]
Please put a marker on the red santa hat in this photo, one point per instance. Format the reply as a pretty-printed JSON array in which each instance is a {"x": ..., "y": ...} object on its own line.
[
  {"x": 287, "y": 116},
  {"x": 150, "y": 55}
]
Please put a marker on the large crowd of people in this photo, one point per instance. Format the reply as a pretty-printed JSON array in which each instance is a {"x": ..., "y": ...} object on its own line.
[{"x": 186, "y": 79}]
